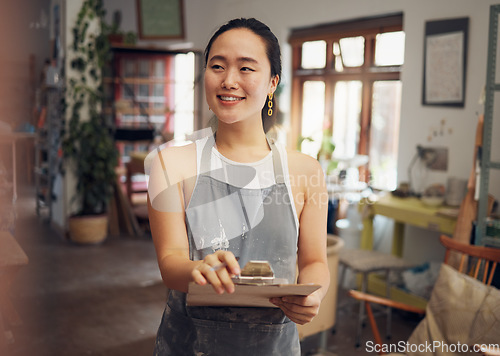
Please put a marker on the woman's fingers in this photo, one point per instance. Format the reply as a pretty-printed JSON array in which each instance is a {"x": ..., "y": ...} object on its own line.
[
  {"x": 228, "y": 260},
  {"x": 198, "y": 276},
  {"x": 217, "y": 269},
  {"x": 300, "y": 310}
]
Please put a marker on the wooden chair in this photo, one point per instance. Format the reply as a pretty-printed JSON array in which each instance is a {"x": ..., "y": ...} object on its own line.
[
  {"x": 128, "y": 208},
  {"x": 476, "y": 261},
  {"x": 137, "y": 193}
]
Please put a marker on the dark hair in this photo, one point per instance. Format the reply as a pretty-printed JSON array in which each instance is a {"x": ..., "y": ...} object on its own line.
[{"x": 272, "y": 50}]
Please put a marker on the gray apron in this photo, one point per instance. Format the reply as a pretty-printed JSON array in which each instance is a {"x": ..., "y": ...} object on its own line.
[{"x": 254, "y": 224}]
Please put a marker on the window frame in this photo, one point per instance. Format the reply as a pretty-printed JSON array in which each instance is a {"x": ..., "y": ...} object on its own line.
[{"x": 367, "y": 73}]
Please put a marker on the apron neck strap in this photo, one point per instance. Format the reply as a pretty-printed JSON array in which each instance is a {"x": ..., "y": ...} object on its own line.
[
  {"x": 207, "y": 154},
  {"x": 278, "y": 167}
]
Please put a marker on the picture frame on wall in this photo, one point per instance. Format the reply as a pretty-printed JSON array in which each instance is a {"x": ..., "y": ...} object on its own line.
[
  {"x": 445, "y": 62},
  {"x": 160, "y": 19}
]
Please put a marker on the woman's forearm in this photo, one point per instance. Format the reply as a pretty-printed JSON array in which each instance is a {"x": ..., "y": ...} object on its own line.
[
  {"x": 317, "y": 273},
  {"x": 176, "y": 271}
]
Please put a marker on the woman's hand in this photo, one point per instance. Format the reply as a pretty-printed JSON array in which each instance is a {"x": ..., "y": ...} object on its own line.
[
  {"x": 299, "y": 309},
  {"x": 217, "y": 270}
]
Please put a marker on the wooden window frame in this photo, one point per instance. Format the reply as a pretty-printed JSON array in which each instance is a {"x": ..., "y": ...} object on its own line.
[{"x": 368, "y": 73}]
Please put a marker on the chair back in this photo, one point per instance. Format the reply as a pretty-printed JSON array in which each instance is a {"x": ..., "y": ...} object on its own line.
[{"x": 482, "y": 264}]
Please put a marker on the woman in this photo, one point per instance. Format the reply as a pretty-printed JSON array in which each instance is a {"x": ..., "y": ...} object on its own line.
[{"x": 237, "y": 194}]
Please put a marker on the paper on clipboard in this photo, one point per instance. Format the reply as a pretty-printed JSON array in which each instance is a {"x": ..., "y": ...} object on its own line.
[{"x": 245, "y": 295}]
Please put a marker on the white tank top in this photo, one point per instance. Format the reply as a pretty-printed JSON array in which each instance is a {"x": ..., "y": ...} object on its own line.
[{"x": 259, "y": 175}]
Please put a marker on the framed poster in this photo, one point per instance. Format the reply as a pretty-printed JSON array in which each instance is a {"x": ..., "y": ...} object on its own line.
[
  {"x": 445, "y": 61},
  {"x": 160, "y": 19}
]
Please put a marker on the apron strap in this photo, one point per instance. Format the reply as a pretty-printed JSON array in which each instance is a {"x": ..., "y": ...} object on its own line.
[
  {"x": 164, "y": 168},
  {"x": 278, "y": 167},
  {"x": 206, "y": 155}
]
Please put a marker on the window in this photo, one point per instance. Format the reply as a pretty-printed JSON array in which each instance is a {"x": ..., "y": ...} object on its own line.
[{"x": 346, "y": 76}]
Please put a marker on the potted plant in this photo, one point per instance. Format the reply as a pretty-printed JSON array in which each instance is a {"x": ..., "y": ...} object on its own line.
[
  {"x": 326, "y": 150},
  {"x": 117, "y": 36},
  {"x": 88, "y": 145}
]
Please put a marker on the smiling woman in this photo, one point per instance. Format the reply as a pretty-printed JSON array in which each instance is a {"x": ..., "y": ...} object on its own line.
[
  {"x": 237, "y": 193},
  {"x": 267, "y": 55},
  {"x": 238, "y": 78}
]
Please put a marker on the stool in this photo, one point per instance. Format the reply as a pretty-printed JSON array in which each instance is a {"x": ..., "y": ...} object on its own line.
[{"x": 366, "y": 262}]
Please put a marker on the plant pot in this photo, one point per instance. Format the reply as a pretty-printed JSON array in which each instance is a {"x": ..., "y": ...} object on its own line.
[
  {"x": 88, "y": 229},
  {"x": 115, "y": 38}
]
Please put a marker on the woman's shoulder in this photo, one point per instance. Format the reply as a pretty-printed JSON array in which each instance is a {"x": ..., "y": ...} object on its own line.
[
  {"x": 300, "y": 162},
  {"x": 178, "y": 162},
  {"x": 183, "y": 151},
  {"x": 304, "y": 170}
]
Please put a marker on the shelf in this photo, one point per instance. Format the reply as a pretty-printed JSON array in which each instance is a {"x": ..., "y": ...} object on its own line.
[
  {"x": 46, "y": 152},
  {"x": 137, "y": 80},
  {"x": 123, "y": 48},
  {"x": 137, "y": 112},
  {"x": 486, "y": 163}
]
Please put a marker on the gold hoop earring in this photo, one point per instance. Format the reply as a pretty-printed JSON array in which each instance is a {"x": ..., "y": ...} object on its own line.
[{"x": 270, "y": 105}]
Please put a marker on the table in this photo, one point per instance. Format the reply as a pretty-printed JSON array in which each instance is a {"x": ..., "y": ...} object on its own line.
[
  {"x": 12, "y": 258},
  {"x": 404, "y": 211},
  {"x": 12, "y": 139}
]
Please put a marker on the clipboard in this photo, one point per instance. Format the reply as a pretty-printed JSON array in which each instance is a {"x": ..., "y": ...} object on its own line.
[{"x": 245, "y": 295}]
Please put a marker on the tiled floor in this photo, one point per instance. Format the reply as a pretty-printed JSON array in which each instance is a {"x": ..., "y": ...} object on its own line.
[{"x": 108, "y": 299}]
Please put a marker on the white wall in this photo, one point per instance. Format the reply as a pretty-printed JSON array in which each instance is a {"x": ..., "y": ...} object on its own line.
[
  {"x": 203, "y": 17},
  {"x": 24, "y": 31},
  {"x": 19, "y": 34}
]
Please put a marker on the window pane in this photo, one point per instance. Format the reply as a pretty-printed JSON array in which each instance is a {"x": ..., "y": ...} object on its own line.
[
  {"x": 127, "y": 90},
  {"x": 158, "y": 68},
  {"x": 158, "y": 90},
  {"x": 313, "y": 54},
  {"x": 389, "y": 48},
  {"x": 353, "y": 49},
  {"x": 184, "y": 95},
  {"x": 128, "y": 68},
  {"x": 144, "y": 68},
  {"x": 384, "y": 133},
  {"x": 346, "y": 118},
  {"x": 313, "y": 114},
  {"x": 143, "y": 90}
]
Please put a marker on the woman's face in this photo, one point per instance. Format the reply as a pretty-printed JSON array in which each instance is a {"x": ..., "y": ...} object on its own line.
[{"x": 238, "y": 76}]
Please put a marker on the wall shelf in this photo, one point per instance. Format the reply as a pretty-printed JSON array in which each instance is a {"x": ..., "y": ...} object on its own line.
[
  {"x": 141, "y": 86},
  {"x": 46, "y": 152},
  {"x": 486, "y": 163}
]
